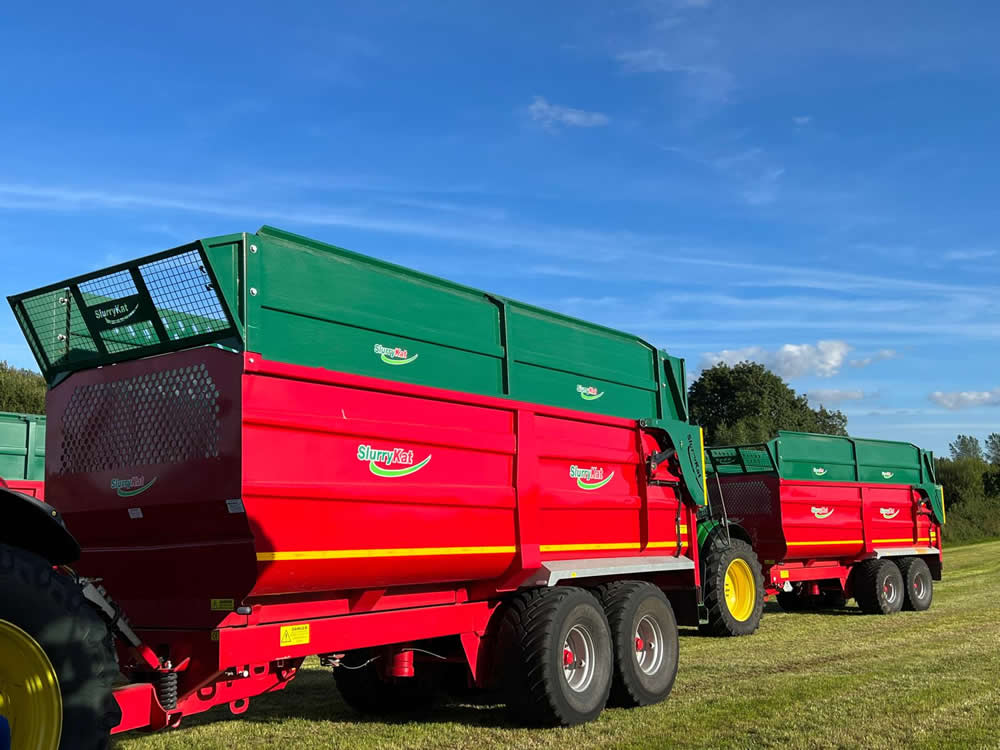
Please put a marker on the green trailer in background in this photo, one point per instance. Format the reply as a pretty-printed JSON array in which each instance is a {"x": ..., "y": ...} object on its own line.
[{"x": 22, "y": 453}]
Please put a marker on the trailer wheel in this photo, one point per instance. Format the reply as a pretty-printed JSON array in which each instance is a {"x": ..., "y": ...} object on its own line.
[
  {"x": 733, "y": 587},
  {"x": 644, "y": 638},
  {"x": 52, "y": 640},
  {"x": 918, "y": 583},
  {"x": 878, "y": 587},
  {"x": 556, "y": 658},
  {"x": 363, "y": 688}
]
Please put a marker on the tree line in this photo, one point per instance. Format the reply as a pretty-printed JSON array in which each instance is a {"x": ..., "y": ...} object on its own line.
[{"x": 21, "y": 390}]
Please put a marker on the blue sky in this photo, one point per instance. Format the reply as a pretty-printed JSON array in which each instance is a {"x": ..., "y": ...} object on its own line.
[{"x": 812, "y": 185}]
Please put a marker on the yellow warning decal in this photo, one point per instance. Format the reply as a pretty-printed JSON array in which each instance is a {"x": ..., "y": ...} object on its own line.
[
  {"x": 784, "y": 574},
  {"x": 215, "y": 636},
  {"x": 295, "y": 635},
  {"x": 223, "y": 605}
]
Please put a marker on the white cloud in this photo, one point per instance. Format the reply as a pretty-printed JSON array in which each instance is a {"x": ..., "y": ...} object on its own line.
[
  {"x": 834, "y": 396},
  {"x": 802, "y": 120},
  {"x": 823, "y": 359},
  {"x": 966, "y": 399},
  {"x": 879, "y": 356},
  {"x": 969, "y": 254},
  {"x": 550, "y": 115}
]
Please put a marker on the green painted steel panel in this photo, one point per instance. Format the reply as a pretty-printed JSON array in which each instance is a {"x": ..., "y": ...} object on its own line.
[
  {"x": 806, "y": 456},
  {"x": 301, "y": 301},
  {"x": 565, "y": 362},
  {"x": 320, "y": 305},
  {"x": 22, "y": 446}
]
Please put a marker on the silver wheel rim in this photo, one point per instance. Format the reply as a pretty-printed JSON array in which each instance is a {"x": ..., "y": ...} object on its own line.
[
  {"x": 648, "y": 645},
  {"x": 889, "y": 590},
  {"x": 919, "y": 587},
  {"x": 578, "y": 658}
]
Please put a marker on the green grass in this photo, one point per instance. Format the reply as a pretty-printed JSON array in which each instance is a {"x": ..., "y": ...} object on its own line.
[{"x": 827, "y": 680}]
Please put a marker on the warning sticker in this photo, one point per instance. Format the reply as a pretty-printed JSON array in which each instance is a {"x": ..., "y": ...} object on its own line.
[
  {"x": 295, "y": 635},
  {"x": 223, "y": 605}
]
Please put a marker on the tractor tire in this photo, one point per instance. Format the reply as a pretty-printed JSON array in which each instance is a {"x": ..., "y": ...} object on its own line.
[
  {"x": 878, "y": 587},
  {"x": 555, "y": 656},
  {"x": 733, "y": 586},
  {"x": 918, "y": 583},
  {"x": 365, "y": 690},
  {"x": 645, "y": 641},
  {"x": 50, "y": 608}
]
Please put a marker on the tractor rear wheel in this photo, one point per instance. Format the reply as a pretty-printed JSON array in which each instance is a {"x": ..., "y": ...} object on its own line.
[
  {"x": 645, "y": 642},
  {"x": 733, "y": 587},
  {"x": 918, "y": 583},
  {"x": 555, "y": 656},
  {"x": 878, "y": 587},
  {"x": 57, "y": 661}
]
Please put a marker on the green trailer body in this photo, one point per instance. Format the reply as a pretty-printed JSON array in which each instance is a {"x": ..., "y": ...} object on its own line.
[
  {"x": 833, "y": 458},
  {"x": 22, "y": 447},
  {"x": 300, "y": 301}
]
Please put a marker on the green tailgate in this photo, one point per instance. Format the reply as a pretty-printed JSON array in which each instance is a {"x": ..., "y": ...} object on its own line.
[{"x": 22, "y": 446}]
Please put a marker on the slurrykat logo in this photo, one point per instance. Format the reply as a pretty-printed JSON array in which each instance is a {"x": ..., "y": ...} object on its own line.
[
  {"x": 132, "y": 486},
  {"x": 889, "y": 513},
  {"x": 390, "y": 458},
  {"x": 821, "y": 511},
  {"x": 394, "y": 355},
  {"x": 589, "y": 479},
  {"x": 588, "y": 392},
  {"x": 116, "y": 314}
]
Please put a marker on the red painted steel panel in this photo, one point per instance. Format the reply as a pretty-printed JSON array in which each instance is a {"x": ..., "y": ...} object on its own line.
[
  {"x": 33, "y": 489},
  {"x": 791, "y": 520}
]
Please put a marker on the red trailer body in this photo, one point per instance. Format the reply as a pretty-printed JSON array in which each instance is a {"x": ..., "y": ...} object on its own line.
[
  {"x": 816, "y": 533},
  {"x": 292, "y": 511}
]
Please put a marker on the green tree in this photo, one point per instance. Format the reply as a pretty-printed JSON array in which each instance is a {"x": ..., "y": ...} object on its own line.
[
  {"x": 21, "y": 390},
  {"x": 962, "y": 479},
  {"x": 966, "y": 446},
  {"x": 747, "y": 403},
  {"x": 993, "y": 448}
]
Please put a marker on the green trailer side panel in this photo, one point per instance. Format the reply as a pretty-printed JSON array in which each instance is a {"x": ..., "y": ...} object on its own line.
[
  {"x": 314, "y": 304},
  {"x": 565, "y": 362},
  {"x": 22, "y": 447},
  {"x": 807, "y": 456}
]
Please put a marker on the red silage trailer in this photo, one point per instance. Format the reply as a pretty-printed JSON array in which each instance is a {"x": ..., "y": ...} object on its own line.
[
  {"x": 866, "y": 523},
  {"x": 316, "y": 519}
]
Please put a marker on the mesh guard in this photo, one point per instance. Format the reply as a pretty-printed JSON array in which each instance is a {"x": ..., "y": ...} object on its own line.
[{"x": 152, "y": 305}]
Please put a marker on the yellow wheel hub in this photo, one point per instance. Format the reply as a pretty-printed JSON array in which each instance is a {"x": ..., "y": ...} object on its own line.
[
  {"x": 741, "y": 590},
  {"x": 29, "y": 691}
]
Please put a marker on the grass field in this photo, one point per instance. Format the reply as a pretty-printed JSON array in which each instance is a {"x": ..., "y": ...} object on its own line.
[{"x": 830, "y": 680}]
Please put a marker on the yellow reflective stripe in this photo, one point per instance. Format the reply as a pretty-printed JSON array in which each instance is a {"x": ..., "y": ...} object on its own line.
[
  {"x": 576, "y": 547},
  {"x": 344, "y": 554},
  {"x": 347, "y": 554},
  {"x": 841, "y": 541},
  {"x": 907, "y": 540}
]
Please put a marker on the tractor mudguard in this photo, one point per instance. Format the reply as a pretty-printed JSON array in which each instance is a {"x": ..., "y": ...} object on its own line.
[{"x": 32, "y": 525}]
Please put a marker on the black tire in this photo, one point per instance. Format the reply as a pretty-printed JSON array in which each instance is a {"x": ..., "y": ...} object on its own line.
[
  {"x": 918, "y": 583},
  {"x": 533, "y": 633},
  {"x": 50, "y": 607},
  {"x": 365, "y": 690},
  {"x": 632, "y": 606},
  {"x": 878, "y": 587},
  {"x": 716, "y": 561}
]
